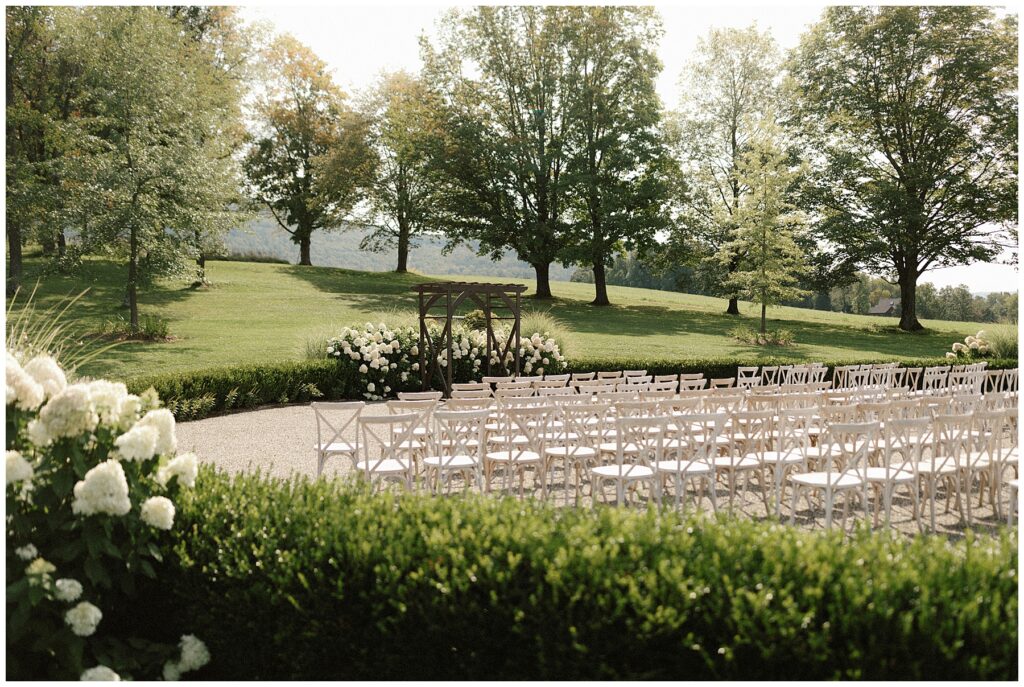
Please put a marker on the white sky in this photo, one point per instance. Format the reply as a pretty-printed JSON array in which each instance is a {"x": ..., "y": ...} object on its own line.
[{"x": 359, "y": 41}]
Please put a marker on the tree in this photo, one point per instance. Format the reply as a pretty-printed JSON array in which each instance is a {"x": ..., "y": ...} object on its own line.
[
  {"x": 770, "y": 262},
  {"x": 912, "y": 112},
  {"x": 146, "y": 156},
  {"x": 499, "y": 72},
  {"x": 616, "y": 155},
  {"x": 730, "y": 85},
  {"x": 309, "y": 162},
  {"x": 403, "y": 112}
]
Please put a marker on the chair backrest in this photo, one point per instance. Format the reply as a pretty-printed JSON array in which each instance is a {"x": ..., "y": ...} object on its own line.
[
  {"x": 747, "y": 377},
  {"x": 529, "y": 380},
  {"x": 816, "y": 375},
  {"x": 723, "y": 382},
  {"x": 933, "y": 379},
  {"x": 1010, "y": 380},
  {"x": 458, "y": 433},
  {"x": 420, "y": 395},
  {"x": 333, "y": 419},
  {"x": 638, "y": 379},
  {"x": 531, "y": 422},
  {"x": 905, "y": 443},
  {"x": 796, "y": 374},
  {"x": 391, "y": 435},
  {"x": 690, "y": 376},
  {"x": 841, "y": 374},
  {"x": 470, "y": 386},
  {"x": 913, "y": 377},
  {"x": 770, "y": 375},
  {"x": 751, "y": 431},
  {"x": 763, "y": 402},
  {"x": 513, "y": 385},
  {"x": 802, "y": 400},
  {"x": 838, "y": 413},
  {"x": 874, "y": 411},
  {"x": 513, "y": 392},
  {"x": 794, "y": 425},
  {"x": 556, "y": 391},
  {"x": 633, "y": 387},
  {"x": 495, "y": 380},
  {"x": 471, "y": 393},
  {"x": 665, "y": 385},
  {"x": 422, "y": 407},
  {"x": 951, "y": 435},
  {"x": 656, "y": 394},
  {"x": 680, "y": 406},
  {"x": 988, "y": 433},
  {"x": 640, "y": 440},
  {"x": 723, "y": 403},
  {"x": 993, "y": 381},
  {"x": 692, "y": 384},
  {"x": 557, "y": 378},
  {"x": 558, "y": 399},
  {"x": 634, "y": 373},
  {"x": 637, "y": 408},
  {"x": 614, "y": 374},
  {"x": 576, "y": 423},
  {"x": 583, "y": 376},
  {"x": 666, "y": 378},
  {"x": 468, "y": 403},
  {"x": 549, "y": 384},
  {"x": 847, "y": 446},
  {"x": 695, "y": 437}
]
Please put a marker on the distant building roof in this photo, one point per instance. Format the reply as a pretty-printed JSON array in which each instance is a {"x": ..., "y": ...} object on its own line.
[{"x": 884, "y": 306}]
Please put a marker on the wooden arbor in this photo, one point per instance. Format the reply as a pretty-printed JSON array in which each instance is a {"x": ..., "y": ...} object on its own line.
[{"x": 440, "y": 301}]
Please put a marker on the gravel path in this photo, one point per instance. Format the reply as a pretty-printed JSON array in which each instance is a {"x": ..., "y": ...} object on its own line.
[{"x": 279, "y": 441}]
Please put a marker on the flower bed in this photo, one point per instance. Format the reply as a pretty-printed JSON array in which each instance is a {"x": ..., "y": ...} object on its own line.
[
  {"x": 92, "y": 481},
  {"x": 973, "y": 347},
  {"x": 387, "y": 360}
]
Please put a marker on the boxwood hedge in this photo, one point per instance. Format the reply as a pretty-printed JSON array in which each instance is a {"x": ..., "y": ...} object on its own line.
[
  {"x": 198, "y": 394},
  {"x": 320, "y": 580}
]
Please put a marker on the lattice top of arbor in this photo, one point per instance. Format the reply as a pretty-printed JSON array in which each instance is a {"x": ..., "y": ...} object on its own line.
[{"x": 441, "y": 300}]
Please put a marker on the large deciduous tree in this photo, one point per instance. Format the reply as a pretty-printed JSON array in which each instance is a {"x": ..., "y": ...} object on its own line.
[
  {"x": 770, "y": 262},
  {"x": 146, "y": 159},
  {"x": 404, "y": 122},
  {"x": 616, "y": 154},
  {"x": 500, "y": 74},
  {"x": 913, "y": 114},
  {"x": 309, "y": 162},
  {"x": 728, "y": 88}
]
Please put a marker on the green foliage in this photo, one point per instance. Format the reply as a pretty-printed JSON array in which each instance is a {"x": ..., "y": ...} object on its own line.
[
  {"x": 317, "y": 580},
  {"x": 772, "y": 337},
  {"x": 197, "y": 394},
  {"x": 255, "y": 256},
  {"x": 150, "y": 328},
  {"x": 1004, "y": 345}
]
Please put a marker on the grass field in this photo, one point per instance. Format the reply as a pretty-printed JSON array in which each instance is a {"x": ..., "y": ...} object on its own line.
[{"x": 265, "y": 312}]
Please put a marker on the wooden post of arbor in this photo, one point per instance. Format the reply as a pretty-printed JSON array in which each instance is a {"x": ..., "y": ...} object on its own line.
[{"x": 441, "y": 300}]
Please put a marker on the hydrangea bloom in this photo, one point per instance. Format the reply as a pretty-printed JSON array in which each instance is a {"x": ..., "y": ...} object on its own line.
[
  {"x": 22, "y": 390},
  {"x": 83, "y": 619},
  {"x": 101, "y": 673},
  {"x": 48, "y": 374},
  {"x": 184, "y": 467},
  {"x": 40, "y": 566},
  {"x": 138, "y": 443},
  {"x": 67, "y": 589},
  {"x": 27, "y": 552},
  {"x": 18, "y": 469},
  {"x": 163, "y": 421},
  {"x": 158, "y": 512},
  {"x": 70, "y": 413},
  {"x": 194, "y": 654},
  {"x": 104, "y": 490}
]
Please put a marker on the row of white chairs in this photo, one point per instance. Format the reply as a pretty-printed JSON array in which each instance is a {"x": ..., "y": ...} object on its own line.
[{"x": 592, "y": 441}]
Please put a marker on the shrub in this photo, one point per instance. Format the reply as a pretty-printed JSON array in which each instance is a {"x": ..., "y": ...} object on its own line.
[
  {"x": 1003, "y": 344},
  {"x": 318, "y": 580},
  {"x": 253, "y": 256},
  {"x": 151, "y": 328},
  {"x": 91, "y": 484},
  {"x": 772, "y": 337}
]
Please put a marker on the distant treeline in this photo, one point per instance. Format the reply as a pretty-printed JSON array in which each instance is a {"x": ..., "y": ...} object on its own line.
[{"x": 956, "y": 303}]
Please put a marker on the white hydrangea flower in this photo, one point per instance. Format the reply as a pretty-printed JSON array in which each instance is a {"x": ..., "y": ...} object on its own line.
[
  {"x": 67, "y": 589},
  {"x": 101, "y": 673},
  {"x": 22, "y": 390},
  {"x": 138, "y": 443},
  {"x": 185, "y": 467},
  {"x": 370, "y": 386},
  {"x": 104, "y": 490},
  {"x": 18, "y": 469},
  {"x": 951, "y": 355},
  {"x": 27, "y": 552},
  {"x": 131, "y": 406},
  {"x": 163, "y": 421},
  {"x": 194, "y": 654},
  {"x": 70, "y": 413},
  {"x": 83, "y": 619},
  {"x": 47, "y": 373},
  {"x": 40, "y": 566},
  {"x": 38, "y": 433},
  {"x": 363, "y": 369},
  {"x": 172, "y": 671},
  {"x": 109, "y": 399},
  {"x": 158, "y": 512}
]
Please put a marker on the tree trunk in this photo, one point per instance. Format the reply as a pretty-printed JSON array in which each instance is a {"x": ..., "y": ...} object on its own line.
[
  {"x": 133, "y": 277},
  {"x": 201, "y": 265},
  {"x": 48, "y": 244},
  {"x": 734, "y": 306},
  {"x": 304, "y": 250},
  {"x": 62, "y": 243},
  {"x": 908, "y": 303},
  {"x": 403, "y": 247},
  {"x": 543, "y": 280},
  {"x": 764, "y": 310},
  {"x": 14, "y": 253},
  {"x": 600, "y": 285}
]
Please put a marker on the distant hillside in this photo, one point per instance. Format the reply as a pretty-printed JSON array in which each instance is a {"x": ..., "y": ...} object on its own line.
[{"x": 340, "y": 248}]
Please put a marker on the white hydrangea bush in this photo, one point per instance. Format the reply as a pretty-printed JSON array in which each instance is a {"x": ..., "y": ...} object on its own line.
[
  {"x": 387, "y": 360},
  {"x": 92, "y": 475},
  {"x": 976, "y": 346}
]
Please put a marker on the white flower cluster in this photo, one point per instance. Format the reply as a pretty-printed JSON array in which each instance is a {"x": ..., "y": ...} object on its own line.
[
  {"x": 27, "y": 552},
  {"x": 67, "y": 589},
  {"x": 18, "y": 469},
  {"x": 101, "y": 674},
  {"x": 104, "y": 490},
  {"x": 390, "y": 357},
  {"x": 184, "y": 467},
  {"x": 23, "y": 391},
  {"x": 158, "y": 512},
  {"x": 972, "y": 346},
  {"x": 194, "y": 655},
  {"x": 83, "y": 619}
]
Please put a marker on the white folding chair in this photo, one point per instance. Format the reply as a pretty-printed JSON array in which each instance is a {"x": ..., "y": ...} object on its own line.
[
  {"x": 333, "y": 421},
  {"x": 638, "y": 448},
  {"x": 850, "y": 444},
  {"x": 518, "y": 445},
  {"x": 456, "y": 447},
  {"x": 392, "y": 436},
  {"x": 691, "y": 443}
]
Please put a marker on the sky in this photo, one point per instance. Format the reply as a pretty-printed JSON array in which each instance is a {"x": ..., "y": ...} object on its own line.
[{"x": 361, "y": 41}]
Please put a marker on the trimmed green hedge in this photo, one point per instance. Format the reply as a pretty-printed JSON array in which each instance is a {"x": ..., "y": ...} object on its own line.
[
  {"x": 321, "y": 581},
  {"x": 194, "y": 395}
]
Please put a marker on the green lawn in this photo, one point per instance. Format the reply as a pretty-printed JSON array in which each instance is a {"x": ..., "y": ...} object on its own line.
[{"x": 265, "y": 312}]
